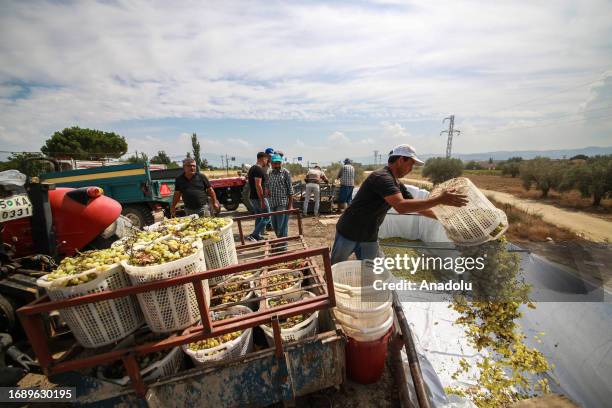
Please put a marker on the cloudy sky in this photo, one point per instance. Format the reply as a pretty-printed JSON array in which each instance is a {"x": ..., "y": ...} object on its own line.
[{"x": 323, "y": 80}]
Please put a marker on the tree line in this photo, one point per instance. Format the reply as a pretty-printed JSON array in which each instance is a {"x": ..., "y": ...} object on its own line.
[
  {"x": 75, "y": 143},
  {"x": 591, "y": 176}
]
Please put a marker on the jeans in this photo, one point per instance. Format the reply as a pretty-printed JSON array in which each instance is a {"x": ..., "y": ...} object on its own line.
[
  {"x": 312, "y": 188},
  {"x": 203, "y": 211},
  {"x": 260, "y": 223},
  {"x": 344, "y": 247},
  {"x": 346, "y": 194},
  {"x": 280, "y": 222}
]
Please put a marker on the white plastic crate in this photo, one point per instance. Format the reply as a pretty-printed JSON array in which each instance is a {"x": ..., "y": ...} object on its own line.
[
  {"x": 236, "y": 279},
  {"x": 475, "y": 223},
  {"x": 307, "y": 328},
  {"x": 295, "y": 285},
  {"x": 356, "y": 279},
  {"x": 100, "y": 323},
  {"x": 175, "y": 307},
  {"x": 240, "y": 346},
  {"x": 363, "y": 321},
  {"x": 170, "y": 364},
  {"x": 220, "y": 253},
  {"x": 365, "y": 334},
  {"x": 371, "y": 303}
]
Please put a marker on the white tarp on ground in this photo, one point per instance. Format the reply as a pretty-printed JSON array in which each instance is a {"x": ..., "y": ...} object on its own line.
[{"x": 578, "y": 333}]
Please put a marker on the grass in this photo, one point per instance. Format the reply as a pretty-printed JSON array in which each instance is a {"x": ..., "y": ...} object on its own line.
[
  {"x": 571, "y": 200},
  {"x": 524, "y": 227}
]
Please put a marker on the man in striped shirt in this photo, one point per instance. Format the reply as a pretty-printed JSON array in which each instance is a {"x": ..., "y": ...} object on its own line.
[
  {"x": 281, "y": 196},
  {"x": 347, "y": 183}
]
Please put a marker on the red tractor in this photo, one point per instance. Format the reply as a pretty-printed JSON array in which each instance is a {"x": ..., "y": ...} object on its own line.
[{"x": 39, "y": 224}]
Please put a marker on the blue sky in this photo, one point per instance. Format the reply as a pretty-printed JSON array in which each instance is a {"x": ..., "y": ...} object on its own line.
[{"x": 323, "y": 80}]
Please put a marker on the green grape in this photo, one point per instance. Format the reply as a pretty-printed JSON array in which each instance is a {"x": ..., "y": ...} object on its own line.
[
  {"x": 161, "y": 252},
  {"x": 225, "y": 293},
  {"x": 214, "y": 341},
  {"x": 98, "y": 260},
  {"x": 289, "y": 322},
  {"x": 280, "y": 282}
]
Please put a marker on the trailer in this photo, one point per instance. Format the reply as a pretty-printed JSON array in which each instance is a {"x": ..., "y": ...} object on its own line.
[
  {"x": 328, "y": 196},
  {"x": 144, "y": 191},
  {"x": 282, "y": 372}
]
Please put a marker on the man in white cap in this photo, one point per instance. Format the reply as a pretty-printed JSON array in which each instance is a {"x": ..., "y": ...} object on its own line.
[{"x": 357, "y": 228}]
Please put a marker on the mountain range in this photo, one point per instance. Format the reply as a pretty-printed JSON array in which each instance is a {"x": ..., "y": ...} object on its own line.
[{"x": 506, "y": 154}]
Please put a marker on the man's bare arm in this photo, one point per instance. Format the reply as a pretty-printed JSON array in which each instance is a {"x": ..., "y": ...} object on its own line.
[
  {"x": 402, "y": 205},
  {"x": 175, "y": 200},
  {"x": 260, "y": 190},
  {"x": 428, "y": 214},
  {"x": 213, "y": 197}
]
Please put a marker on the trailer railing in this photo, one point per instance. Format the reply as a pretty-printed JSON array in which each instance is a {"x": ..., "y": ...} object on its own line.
[{"x": 253, "y": 257}]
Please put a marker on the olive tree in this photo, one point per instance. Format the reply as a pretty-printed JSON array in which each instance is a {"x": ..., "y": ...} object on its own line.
[
  {"x": 440, "y": 169},
  {"x": 511, "y": 167},
  {"x": 542, "y": 173},
  {"x": 593, "y": 178}
]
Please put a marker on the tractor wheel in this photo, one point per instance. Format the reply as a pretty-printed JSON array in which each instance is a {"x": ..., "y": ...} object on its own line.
[
  {"x": 8, "y": 319},
  {"x": 139, "y": 215},
  {"x": 233, "y": 206}
]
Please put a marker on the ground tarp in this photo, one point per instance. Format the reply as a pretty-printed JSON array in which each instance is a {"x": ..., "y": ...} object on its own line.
[{"x": 576, "y": 320}]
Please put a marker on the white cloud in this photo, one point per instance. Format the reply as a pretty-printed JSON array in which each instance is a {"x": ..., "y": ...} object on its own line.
[
  {"x": 385, "y": 62},
  {"x": 338, "y": 137},
  {"x": 395, "y": 131}
]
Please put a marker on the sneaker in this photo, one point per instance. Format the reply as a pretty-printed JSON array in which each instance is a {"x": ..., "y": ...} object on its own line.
[{"x": 250, "y": 238}]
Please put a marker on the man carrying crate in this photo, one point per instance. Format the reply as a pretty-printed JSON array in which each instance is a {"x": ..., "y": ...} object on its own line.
[{"x": 357, "y": 228}]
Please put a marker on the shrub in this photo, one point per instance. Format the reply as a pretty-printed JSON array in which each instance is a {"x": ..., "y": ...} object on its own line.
[
  {"x": 295, "y": 168},
  {"x": 510, "y": 169},
  {"x": 331, "y": 172},
  {"x": 542, "y": 173},
  {"x": 439, "y": 169},
  {"x": 592, "y": 178},
  {"x": 473, "y": 165}
]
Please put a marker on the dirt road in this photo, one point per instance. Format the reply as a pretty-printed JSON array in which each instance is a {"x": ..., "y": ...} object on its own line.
[{"x": 587, "y": 226}]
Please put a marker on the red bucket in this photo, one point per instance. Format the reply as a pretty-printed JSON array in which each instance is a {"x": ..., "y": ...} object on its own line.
[{"x": 365, "y": 361}]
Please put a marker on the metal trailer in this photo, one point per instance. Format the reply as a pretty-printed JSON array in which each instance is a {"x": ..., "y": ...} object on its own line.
[
  {"x": 260, "y": 378},
  {"x": 273, "y": 374},
  {"x": 328, "y": 196}
]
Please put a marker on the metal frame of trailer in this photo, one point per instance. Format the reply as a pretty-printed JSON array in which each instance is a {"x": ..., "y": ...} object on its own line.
[{"x": 260, "y": 378}]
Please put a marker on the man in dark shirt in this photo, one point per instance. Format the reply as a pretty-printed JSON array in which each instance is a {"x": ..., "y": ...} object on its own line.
[
  {"x": 192, "y": 186},
  {"x": 357, "y": 228},
  {"x": 257, "y": 177}
]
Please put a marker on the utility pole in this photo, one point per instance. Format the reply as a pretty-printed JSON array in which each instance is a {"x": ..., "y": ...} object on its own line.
[
  {"x": 376, "y": 157},
  {"x": 451, "y": 131}
]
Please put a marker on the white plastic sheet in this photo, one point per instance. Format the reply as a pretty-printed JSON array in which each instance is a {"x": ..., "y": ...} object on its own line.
[
  {"x": 577, "y": 340},
  {"x": 412, "y": 226},
  {"x": 12, "y": 177}
]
